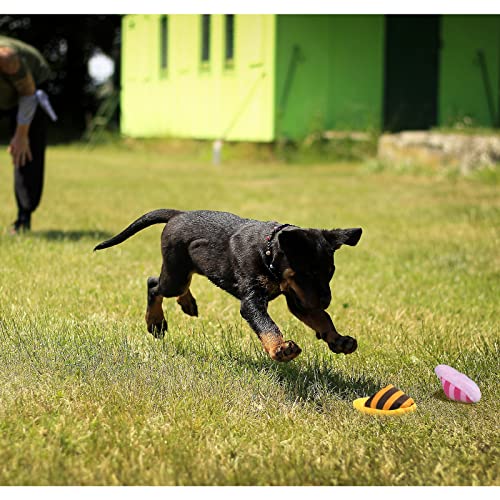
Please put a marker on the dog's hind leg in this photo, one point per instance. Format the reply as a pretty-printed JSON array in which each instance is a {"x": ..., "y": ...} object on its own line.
[
  {"x": 167, "y": 286},
  {"x": 155, "y": 319},
  {"x": 174, "y": 281},
  {"x": 188, "y": 303}
]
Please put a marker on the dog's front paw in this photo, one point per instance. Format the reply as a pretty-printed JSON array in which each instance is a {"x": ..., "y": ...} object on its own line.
[
  {"x": 343, "y": 344},
  {"x": 287, "y": 351}
]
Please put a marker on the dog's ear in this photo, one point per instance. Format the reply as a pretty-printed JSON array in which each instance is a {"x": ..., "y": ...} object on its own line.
[
  {"x": 296, "y": 243},
  {"x": 339, "y": 237}
]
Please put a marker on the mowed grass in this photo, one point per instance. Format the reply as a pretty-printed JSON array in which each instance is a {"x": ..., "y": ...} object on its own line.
[{"x": 87, "y": 397}]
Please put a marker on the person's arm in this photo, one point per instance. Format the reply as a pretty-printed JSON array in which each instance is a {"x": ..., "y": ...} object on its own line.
[{"x": 13, "y": 67}]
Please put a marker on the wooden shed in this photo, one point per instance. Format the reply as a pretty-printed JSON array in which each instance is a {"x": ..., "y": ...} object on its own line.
[{"x": 262, "y": 77}]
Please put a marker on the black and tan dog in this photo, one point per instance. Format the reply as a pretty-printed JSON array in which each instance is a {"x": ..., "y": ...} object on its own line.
[{"x": 252, "y": 260}]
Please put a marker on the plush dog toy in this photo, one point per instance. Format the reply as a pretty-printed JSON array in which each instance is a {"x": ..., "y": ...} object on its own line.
[
  {"x": 457, "y": 386},
  {"x": 392, "y": 401},
  {"x": 388, "y": 401}
]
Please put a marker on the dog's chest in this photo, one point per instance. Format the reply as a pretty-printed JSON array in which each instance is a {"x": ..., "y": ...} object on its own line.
[{"x": 272, "y": 288}]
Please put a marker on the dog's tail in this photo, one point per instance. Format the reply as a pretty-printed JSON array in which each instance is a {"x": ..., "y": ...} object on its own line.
[{"x": 146, "y": 220}]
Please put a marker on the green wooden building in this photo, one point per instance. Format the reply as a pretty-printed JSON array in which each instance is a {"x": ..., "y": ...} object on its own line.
[{"x": 263, "y": 77}]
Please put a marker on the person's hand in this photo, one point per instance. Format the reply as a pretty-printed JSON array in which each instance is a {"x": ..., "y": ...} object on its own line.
[{"x": 19, "y": 148}]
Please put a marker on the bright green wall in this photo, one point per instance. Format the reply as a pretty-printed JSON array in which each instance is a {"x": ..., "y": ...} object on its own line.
[
  {"x": 338, "y": 79},
  {"x": 301, "y": 76},
  {"x": 461, "y": 89},
  {"x": 195, "y": 100},
  {"x": 356, "y": 62}
]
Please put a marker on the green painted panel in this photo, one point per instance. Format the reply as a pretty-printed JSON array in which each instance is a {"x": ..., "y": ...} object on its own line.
[
  {"x": 356, "y": 89},
  {"x": 329, "y": 73},
  {"x": 194, "y": 99},
  {"x": 462, "y": 85},
  {"x": 301, "y": 74}
]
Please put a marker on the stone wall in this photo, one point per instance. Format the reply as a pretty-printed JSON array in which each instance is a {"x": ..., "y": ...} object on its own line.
[{"x": 467, "y": 152}]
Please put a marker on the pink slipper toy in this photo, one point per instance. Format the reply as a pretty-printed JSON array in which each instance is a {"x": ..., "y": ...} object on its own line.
[{"x": 457, "y": 386}]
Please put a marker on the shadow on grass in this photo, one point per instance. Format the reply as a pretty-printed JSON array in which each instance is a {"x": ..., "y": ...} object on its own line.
[
  {"x": 59, "y": 235},
  {"x": 439, "y": 394},
  {"x": 311, "y": 382},
  {"x": 308, "y": 380}
]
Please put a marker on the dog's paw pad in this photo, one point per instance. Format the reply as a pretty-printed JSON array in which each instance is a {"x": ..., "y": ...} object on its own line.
[
  {"x": 286, "y": 351},
  {"x": 344, "y": 344}
]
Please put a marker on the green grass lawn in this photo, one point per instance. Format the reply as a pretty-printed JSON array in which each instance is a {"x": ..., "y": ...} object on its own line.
[{"x": 88, "y": 397}]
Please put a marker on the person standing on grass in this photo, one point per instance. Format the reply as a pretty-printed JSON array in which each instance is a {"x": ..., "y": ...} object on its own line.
[{"x": 23, "y": 72}]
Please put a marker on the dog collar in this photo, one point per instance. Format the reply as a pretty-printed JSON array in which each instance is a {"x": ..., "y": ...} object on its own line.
[{"x": 268, "y": 252}]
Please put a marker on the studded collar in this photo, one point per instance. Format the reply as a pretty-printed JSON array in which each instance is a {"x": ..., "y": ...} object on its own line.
[{"x": 268, "y": 254}]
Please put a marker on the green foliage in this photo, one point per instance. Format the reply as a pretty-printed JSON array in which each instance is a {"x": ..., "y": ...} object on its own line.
[
  {"x": 320, "y": 149},
  {"x": 88, "y": 397}
]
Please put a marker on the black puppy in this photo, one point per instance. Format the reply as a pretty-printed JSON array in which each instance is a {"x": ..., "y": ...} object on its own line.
[{"x": 252, "y": 260}]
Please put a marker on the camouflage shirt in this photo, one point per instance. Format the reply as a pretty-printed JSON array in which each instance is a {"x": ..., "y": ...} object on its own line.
[{"x": 34, "y": 62}]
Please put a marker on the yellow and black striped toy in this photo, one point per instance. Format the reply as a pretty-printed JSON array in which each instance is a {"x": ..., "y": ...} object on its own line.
[{"x": 388, "y": 401}]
